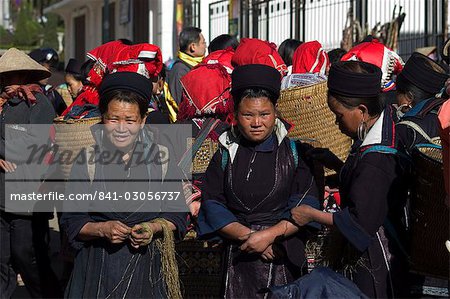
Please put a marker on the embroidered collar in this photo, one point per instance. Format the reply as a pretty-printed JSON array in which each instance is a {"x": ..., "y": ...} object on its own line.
[
  {"x": 231, "y": 142},
  {"x": 382, "y": 132}
]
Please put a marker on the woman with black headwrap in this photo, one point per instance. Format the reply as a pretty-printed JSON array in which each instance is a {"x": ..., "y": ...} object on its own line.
[
  {"x": 418, "y": 85},
  {"x": 124, "y": 234},
  {"x": 251, "y": 184},
  {"x": 372, "y": 193}
]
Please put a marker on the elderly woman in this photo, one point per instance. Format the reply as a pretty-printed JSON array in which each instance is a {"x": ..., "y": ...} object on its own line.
[
  {"x": 117, "y": 256},
  {"x": 250, "y": 185},
  {"x": 417, "y": 86},
  {"x": 372, "y": 192}
]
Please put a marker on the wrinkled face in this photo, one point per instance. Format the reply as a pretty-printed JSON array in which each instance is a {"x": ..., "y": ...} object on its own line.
[
  {"x": 122, "y": 124},
  {"x": 199, "y": 49},
  {"x": 73, "y": 86},
  {"x": 347, "y": 119},
  {"x": 256, "y": 118}
]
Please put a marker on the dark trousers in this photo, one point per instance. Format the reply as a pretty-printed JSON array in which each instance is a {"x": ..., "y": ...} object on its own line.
[{"x": 24, "y": 250}]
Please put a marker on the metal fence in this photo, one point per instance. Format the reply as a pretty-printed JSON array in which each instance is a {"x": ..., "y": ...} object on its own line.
[
  {"x": 218, "y": 18},
  {"x": 191, "y": 13},
  {"x": 425, "y": 23}
]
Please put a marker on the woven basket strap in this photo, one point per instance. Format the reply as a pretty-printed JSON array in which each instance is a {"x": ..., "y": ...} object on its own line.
[
  {"x": 433, "y": 106},
  {"x": 186, "y": 160},
  {"x": 416, "y": 128}
]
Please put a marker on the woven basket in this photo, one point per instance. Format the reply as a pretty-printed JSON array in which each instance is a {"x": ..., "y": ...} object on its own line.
[
  {"x": 306, "y": 107},
  {"x": 201, "y": 268},
  {"x": 430, "y": 215},
  {"x": 71, "y": 137}
]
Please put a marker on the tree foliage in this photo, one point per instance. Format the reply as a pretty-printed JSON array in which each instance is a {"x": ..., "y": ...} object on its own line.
[
  {"x": 32, "y": 28},
  {"x": 28, "y": 31}
]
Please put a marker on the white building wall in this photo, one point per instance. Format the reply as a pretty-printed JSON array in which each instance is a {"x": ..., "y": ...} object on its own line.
[
  {"x": 5, "y": 20},
  {"x": 166, "y": 32}
]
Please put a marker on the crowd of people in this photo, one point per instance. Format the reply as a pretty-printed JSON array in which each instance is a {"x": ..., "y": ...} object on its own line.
[{"x": 255, "y": 190}]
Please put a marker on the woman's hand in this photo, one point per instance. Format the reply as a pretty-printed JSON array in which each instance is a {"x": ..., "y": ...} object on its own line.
[
  {"x": 302, "y": 214},
  {"x": 258, "y": 242},
  {"x": 268, "y": 254},
  {"x": 194, "y": 208},
  {"x": 115, "y": 231},
  {"x": 142, "y": 234},
  {"x": 7, "y": 166}
]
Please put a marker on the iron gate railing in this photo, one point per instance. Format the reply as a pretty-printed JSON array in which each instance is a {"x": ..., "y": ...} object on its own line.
[
  {"x": 191, "y": 13},
  {"x": 218, "y": 18},
  {"x": 425, "y": 23}
]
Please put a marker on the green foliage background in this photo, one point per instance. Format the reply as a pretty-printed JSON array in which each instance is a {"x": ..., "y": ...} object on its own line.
[{"x": 29, "y": 29}]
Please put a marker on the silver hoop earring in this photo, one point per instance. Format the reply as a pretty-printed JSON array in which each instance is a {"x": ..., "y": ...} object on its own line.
[{"x": 362, "y": 130}]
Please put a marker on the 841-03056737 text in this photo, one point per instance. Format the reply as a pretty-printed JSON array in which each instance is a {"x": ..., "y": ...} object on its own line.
[{"x": 97, "y": 195}]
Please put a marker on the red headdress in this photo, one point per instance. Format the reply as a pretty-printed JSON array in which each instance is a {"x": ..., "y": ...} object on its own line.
[
  {"x": 223, "y": 57},
  {"x": 310, "y": 57},
  {"x": 144, "y": 59},
  {"x": 378, "y": 54},
  {"x": 256, "y": 51},
  {"x": 206, "y": 88}
]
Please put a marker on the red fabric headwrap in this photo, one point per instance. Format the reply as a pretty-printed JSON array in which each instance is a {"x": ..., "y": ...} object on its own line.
[
  {"x": 144, "y": 59},
  {"x": 378, "y": 54},
  {"x": 206, "y": 91},
  {"x": 88, "y": 96},
  {"x": 103, "y": 56},
  {"x": 309, "y": 57},
  {"x": 223, "y": 57},
  {"x": 256, "y": 51}
]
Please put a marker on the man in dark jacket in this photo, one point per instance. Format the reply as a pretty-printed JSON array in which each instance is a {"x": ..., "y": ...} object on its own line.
[
  {"x": 192, "y": 50},
  {"x": 23, "y": 234}
]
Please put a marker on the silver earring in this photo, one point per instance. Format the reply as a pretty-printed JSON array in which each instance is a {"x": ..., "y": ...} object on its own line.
[{"x": 362, "y": 130}]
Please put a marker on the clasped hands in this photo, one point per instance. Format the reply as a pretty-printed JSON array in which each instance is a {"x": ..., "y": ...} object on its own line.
[
  {"x": 139, "y": 235},
  {"x": 260, "y": 242}
]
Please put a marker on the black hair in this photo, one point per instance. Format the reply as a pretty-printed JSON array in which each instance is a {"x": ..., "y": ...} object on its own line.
[
  {"x": 375, "y": 105},
  {"x": 287, "y": 49},
  {"x": 254, "y": 93},
  {"x": 188, "y": 36},
  {"x": 85, "y": 69},
  {"x": 412, "y": 91},
  {"x": 335, "y": 55},
  {"x": 126, "y": 41},
  {"x": 222, "y": 42},
  {"x": 122, "y": 96},
  {"x": 78, "y": 77}
]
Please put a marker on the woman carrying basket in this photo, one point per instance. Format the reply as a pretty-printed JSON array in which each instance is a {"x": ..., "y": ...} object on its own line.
[
  {"x": 372, "y": 191},
  {"x": 250, "y": 185}
]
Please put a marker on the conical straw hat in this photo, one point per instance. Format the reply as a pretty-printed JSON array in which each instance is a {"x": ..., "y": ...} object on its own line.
[{"x": 15, "y": 60}]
